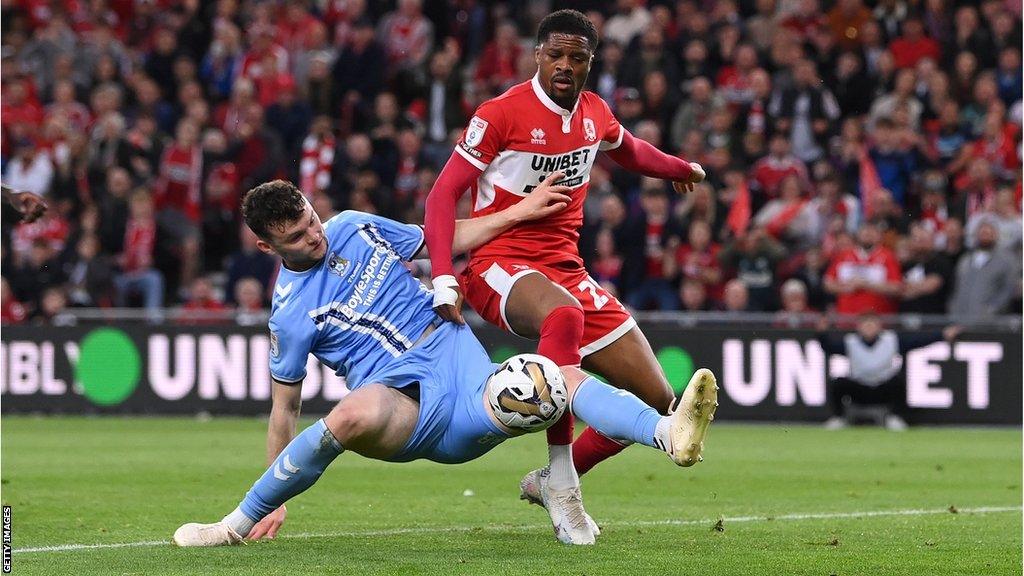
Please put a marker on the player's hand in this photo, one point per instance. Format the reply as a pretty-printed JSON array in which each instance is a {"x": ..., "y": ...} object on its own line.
[
  {"x": 448, "y": 299},
  {"x": 545, "y": 200},
  {"x": 697, "y": 175},
  {"x": 31, "y": 206},
  {"x": 268, "y": 527}
]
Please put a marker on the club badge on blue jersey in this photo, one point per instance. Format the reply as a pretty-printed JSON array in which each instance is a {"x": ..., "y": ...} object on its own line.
[{"x": 337, "y": 265}]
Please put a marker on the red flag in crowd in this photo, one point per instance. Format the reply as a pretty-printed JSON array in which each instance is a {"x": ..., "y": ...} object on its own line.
[
  {"x": 740, "y": 212},
  {"x": 870, "y": 183}
]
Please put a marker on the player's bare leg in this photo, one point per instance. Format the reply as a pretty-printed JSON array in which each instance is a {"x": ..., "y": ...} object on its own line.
[
  {"x": 374, "y": 421},
  {"x": 539, "y": 308},
  {"x": 630, "y": 364}
]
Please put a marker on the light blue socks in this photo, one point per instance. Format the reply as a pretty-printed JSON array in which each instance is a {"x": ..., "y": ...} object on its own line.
[
  {"x": 618, "y": 414},
  {"x": 296, "y": 468}
]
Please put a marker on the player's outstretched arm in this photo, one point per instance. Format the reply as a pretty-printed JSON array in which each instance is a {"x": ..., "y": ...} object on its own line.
[
  {"x": 287, "y": 403},
  {"x": 545, "y": 200},
  {"x": 29, "y": 205},
  {"x": 641, "y": 157},
  {"x": 439, "y": 230}
]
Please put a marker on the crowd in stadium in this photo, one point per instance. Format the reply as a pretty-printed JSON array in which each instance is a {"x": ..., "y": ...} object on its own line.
[{"x": 860, "y": 156}]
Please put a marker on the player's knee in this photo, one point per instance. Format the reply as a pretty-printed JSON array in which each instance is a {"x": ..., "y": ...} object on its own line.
[{"x": 352, "y": 420}]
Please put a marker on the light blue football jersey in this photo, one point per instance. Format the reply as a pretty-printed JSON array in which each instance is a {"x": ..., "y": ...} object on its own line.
[{"x": 358, "y": 309}]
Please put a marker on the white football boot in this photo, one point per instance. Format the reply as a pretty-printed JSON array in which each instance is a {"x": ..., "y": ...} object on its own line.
[
  {"x": 216, "y": 534},
  {"x": 564, "y": 509},
  {"x": 693, "y": 415}
]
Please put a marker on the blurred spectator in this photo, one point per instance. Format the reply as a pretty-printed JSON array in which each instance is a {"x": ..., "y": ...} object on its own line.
[
  {"x": 441, "y": 99},
  {"x": 986, "y": 278},
  {"x": 317, "y": 160},
  {"x": 736, "y": 297},
  {"x": 631, "y": 19},
  {"x": 926, "y": 274},
  {"x": 359, "y": 71},
  {"x": 805, "y": 112},
  {"x": 693, "y": 296},
  {"x": 876, "y": 370},
  {"x": 607, "y": 265},
  {"x": 811, "y": 273},
  {"x": 769, "y": 172},
  {"x": 202, "y": 305},
  {"x": 902, "y": 99},
  {"x": 138, "y": 276},
  {"x": 11, "y": 310},
  {"x": 913, "y": 45},
  {"x": 696, "y": 260},
  {"x": 893, "y": 158},
  {"x": 795, "y": 311},
  {"x": 89, "y": 274},
  {"x": 652, "y": 289},
  {"x": 223, "y": 60},
  {"x": 1004, "y": 214},
  {"x": 30, "y": 169},
  {"x": 249, "y": 262},
  {"x": 496, "y": 69},
  {"x": 52, "y": 311},
  {"x": 248, "y": 295},
  {"x": 754, "y": 258},
  {"x": 790, "y": 217},
  {"x": 289, "y": 116},
  {"x": 605, "y": 73},
  {"x": 866, "y": 278},
  {"x": 407, "y": 35}
]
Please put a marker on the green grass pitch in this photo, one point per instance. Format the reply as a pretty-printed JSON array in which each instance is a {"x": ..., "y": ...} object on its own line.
[{"x": 792, "y": 499}]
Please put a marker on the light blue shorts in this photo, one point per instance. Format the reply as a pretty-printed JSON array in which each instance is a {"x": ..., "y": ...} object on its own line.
[{"x": 448, "y": 370}]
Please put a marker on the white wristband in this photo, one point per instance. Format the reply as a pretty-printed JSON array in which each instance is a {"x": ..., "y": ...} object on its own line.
[
  {"x": 444, "y": 290},
  {"x": 698, "y": 170}
]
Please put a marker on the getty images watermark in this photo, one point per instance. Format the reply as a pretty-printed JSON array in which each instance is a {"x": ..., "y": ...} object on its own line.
[{"x": 7, "y": 539}]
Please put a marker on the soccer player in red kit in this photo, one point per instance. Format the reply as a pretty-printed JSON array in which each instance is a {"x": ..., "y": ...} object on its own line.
[{"x": 530, "y": 280}]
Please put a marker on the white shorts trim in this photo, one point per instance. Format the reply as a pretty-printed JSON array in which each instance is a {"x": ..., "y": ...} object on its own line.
[
  {"x": 607, "y": 339},
  {"x": 502, "y": 282}
]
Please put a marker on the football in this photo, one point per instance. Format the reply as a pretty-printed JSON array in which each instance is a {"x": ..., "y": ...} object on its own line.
[{"x": 527, "y": 392}]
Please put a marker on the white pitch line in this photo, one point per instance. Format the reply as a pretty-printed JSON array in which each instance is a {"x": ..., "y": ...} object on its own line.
[{"x": 504, "y": 528}]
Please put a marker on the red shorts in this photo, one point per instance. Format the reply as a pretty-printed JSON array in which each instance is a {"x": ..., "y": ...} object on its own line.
[{"x": 487, "y": 283}]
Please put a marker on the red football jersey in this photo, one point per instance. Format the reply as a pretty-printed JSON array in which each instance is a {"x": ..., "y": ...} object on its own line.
[
  {"x": 518, "y": 139},
  {"x": 877, "y": 267}
]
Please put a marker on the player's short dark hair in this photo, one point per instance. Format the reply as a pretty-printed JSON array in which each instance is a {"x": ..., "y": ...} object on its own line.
[
  {"x": 272, "y": 204},
  {"x": 567, "y": 22}
]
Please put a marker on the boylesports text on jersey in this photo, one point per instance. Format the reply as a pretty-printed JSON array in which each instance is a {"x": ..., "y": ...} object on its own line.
[{"x": 367, "y": 287}]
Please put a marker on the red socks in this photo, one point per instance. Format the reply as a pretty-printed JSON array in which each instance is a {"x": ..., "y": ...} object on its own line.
[
  {"x": 591, "y": 448},
  {"x": 560, "y": 336}
]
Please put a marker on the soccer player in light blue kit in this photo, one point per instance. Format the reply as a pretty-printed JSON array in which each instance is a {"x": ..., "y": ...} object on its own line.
[{"x": 419, "y": 385}]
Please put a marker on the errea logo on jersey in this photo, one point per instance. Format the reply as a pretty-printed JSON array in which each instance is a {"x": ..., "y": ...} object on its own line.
[{"x": 538, "y": 136}]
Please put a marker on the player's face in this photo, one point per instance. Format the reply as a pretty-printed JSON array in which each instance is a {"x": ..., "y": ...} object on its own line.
[
  {"x": 564, "y": 62},
  {"x": 300, "y": 243}
]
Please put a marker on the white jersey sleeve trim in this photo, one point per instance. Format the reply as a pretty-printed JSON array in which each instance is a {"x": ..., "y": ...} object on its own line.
[
  {"x": 604, "y": 146},
  {"x": 469, "y": 158}
]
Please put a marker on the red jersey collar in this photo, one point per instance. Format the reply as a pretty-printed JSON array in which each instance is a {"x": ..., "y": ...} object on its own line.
[{"x": 548, "y": 102}]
